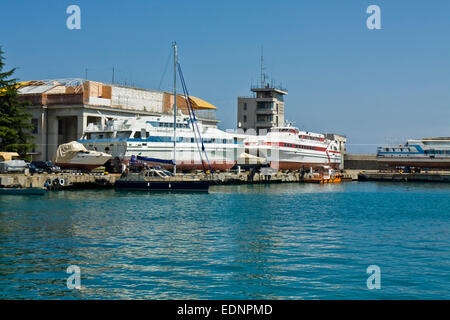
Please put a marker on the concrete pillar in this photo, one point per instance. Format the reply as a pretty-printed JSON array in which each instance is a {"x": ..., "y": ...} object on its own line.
[
  {"x": 40, "y": 141},
  {"x": 52, "y": 135},
  {"x": 81, "y": 125}
]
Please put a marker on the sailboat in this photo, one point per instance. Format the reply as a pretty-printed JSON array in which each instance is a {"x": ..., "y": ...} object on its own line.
[{"x": 159, "y": 179}]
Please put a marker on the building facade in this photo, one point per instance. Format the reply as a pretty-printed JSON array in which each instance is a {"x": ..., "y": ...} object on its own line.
[
  {"x": 262, "y": 111},
  {"x": 62, "y": 109}
]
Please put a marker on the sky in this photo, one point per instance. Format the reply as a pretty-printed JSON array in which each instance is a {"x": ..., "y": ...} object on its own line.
[{"x": 374, "y": 86}]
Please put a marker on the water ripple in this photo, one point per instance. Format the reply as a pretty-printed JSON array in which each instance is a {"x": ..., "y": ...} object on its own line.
[{"x": 238, "y": 242}]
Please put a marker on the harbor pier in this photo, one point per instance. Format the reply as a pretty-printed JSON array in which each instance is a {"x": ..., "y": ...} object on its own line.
[
  {"x": 99, "y": 180},
  {"x": 432, "y": 176}
]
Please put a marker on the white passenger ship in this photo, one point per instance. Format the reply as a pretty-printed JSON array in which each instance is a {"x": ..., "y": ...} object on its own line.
[
  {"x": 152, "y": 137},
  {"x": 284, "y": 148},
  {"x": 288, "y": 148},
  {"x": 422, "y": 153}
]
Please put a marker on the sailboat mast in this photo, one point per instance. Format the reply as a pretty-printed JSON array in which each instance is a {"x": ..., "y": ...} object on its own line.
[{"x": 174, "y": 107}]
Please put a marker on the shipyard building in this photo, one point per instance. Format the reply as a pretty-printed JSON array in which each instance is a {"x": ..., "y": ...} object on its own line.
[
  {"x": 263, "y": 110},
  {"x": 62, "y": 109}
]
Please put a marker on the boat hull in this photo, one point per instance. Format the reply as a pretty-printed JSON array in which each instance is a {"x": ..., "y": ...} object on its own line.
[
  {"x": 294, "y": 159},
  {"x": 79, "y": 165},
  {"x": 23, "y": 191},
  {"x": 188, "y": 186},
  {"x": 418, "y": 163}
]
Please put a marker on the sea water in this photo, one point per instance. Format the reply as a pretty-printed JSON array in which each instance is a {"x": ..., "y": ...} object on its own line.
[{"x": 278, "y": 241}]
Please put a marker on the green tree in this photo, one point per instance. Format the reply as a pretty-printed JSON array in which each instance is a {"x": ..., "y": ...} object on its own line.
[{"x": 15, "y": 123}]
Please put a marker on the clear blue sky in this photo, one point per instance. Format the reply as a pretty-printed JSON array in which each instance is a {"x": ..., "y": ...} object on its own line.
[{"x": 374, "y": 86}]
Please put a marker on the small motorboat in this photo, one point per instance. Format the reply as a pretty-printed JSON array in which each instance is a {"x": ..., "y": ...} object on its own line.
[
  {"x": 11, "y": 162},
  {"x": 321, "y": 178},
  {"x": 74, "y": 155},
  {"x": 23, "y": 191}
]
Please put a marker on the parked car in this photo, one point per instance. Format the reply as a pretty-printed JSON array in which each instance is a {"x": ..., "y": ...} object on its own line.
[
  {"x": 34, "y": 169},
  {"x": 46, "y": 166},
  {"x": 11, "y": 162}
]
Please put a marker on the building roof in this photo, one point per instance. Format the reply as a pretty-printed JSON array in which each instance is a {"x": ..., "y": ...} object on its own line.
[
  {"x": 76, "y": 91},
  {"x": 198, "y": 103},
  {"x": 43, "y": 86}
]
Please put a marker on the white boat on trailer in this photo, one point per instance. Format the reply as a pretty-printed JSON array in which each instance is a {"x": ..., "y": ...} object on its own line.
[{"x": 74, "y": 155}]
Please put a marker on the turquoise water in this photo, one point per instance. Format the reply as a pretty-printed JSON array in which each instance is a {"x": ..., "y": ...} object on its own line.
[{"x": 287, "y": 241}]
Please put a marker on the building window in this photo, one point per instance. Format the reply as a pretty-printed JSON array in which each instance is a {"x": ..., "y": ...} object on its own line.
[
  {"x": 245, "y": 118},
  {"x": 263, "y": 118},
  {"x": 34, "y": 123},
  {"x": 245, "y": 105}
]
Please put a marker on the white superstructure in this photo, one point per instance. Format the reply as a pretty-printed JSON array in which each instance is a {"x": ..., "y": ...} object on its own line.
[{"x": 152, "y": 137}]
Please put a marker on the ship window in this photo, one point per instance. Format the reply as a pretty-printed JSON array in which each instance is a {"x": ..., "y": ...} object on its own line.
[
  {"x": 137, "y": 135},
  {"x": 123, "y": 134}
]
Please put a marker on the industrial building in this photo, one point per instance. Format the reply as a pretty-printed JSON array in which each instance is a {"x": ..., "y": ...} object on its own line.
[
  {"x": 263, "y": 110},
  {"x": 62, "y": 109}
]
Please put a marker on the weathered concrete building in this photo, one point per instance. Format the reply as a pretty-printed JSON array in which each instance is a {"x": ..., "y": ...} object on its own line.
[
  {"x": 262, "y": 111},
  {"x": 62, "y": 109}
]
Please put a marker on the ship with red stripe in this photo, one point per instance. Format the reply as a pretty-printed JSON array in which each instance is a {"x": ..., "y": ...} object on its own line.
[{"x": 288, "y": 148}]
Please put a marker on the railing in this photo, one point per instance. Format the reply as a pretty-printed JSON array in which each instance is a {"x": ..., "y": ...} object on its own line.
[
  {"x": 247, "y": 97},
  {"x": 269, "y": 86}
]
